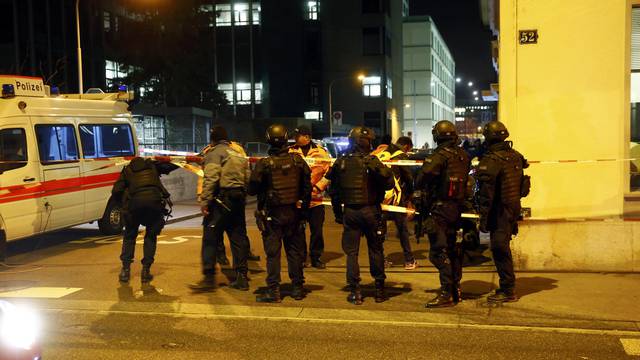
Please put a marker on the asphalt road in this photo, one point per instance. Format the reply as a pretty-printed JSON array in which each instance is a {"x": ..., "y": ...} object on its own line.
[{"x": 70, "y": 277}]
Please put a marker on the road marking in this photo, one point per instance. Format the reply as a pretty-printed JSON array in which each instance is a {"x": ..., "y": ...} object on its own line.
[
  {"x": 298, "y": 314},
  {"x": 40, "y": 292},
  {"x": 631, "y": 346}
]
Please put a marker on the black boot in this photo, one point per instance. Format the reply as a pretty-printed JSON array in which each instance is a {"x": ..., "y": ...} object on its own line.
[
  {"x": 208, "y": 283},
  {"x": 297, "y": 293},
  {"x": 240, "y": 283},
  {"x": 253, "y": 257},
  {"x": 272, "y": 295},
  {"x": 318, "y": 264},
  {"x": 355, "y": 296},
  {"x": 125, "y": 273},
  {"x": 444, "y": 299},
  {"x": 381, "y": 295},
  {"x": 145, "y": 275},
  {"x": 503, "y": 295},
  {"x": 456, "y": 292}
]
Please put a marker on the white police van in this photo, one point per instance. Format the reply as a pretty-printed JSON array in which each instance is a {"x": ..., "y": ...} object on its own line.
[{"x": 59, "y": 157}]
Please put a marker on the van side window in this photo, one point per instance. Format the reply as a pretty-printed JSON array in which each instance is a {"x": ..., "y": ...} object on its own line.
[
  {"x": 104, "y": 141},
  {"x": 13, "y": 149},
  {"x": 57, "y": 143}
]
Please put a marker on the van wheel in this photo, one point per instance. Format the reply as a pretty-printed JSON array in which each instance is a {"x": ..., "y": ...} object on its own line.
[{"x": 111, "y": 222}]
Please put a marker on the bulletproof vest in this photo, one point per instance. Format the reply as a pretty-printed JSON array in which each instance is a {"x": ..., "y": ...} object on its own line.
[
  {"x": 453, "y": 181},
  {"x": 143, "y": 182},
  {"x": 356, "y": 185},
  {"x": 510, "y": 179},
  {"x": 284, "y": 182}
]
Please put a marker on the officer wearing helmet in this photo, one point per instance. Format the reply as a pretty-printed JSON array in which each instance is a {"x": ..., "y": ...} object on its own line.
[
  {"x": 442, "y": 181},
  {"x": 282, "y": 182},
  {"x": 358, "y": 183},
  {"x": 501, "y": 183}
]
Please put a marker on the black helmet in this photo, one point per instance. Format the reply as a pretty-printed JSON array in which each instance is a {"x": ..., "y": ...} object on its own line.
[
  {"x": 444, "y": 130},
  {"x": 361, "y": 132},
  {"x": 277, "y": 135},
  {"x": 495, "y": 131}
]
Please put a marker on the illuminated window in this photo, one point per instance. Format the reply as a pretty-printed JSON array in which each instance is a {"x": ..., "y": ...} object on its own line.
[
  {"x": 240, "y": 14},
  {"x": 243, "y": 93},
  {"x": 371, "y": 86},
  {"x": 106, "y": 21},
  {"x": 389, "y": 88},
  {"x": 313, "y": 9},
  {"x": 313, "y": 115},
  {"x": 227, "y": 90},
  {"x": 256, "y": 13},
  {"x": 223, "y": 15},
  {"x": 113, "y": 73}
]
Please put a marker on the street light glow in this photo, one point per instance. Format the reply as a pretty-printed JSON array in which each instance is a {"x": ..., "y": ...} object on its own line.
[
  {"x": 361, "y": 77},
  {"x": 476, "y": 98},
  {"x": 470, "y": 84},
  {"x": 475, "y": 92},
  {"x": 458, "y": 80},
  {"x": 407, "y": 105}
]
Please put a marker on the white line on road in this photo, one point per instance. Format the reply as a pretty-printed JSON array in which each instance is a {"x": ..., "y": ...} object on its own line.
[
  {"x": 302, "y": 318},
  {"x": 631, "y": 346},
  {"x": 40, "y": 292}
]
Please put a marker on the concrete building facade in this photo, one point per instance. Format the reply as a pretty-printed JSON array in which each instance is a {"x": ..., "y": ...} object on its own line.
[{"x": 429, "y": 79}]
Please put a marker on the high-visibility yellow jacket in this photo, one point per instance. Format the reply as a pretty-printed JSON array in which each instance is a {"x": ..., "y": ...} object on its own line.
[
  {"x": 386, "y": 153},
  {"x": 318, "y": 170}
]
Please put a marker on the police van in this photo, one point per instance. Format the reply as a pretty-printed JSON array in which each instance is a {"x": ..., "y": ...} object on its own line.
[{"x": 59, "y": 157}]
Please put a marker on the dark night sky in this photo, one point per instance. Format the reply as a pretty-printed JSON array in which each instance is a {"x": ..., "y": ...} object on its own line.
[{"x": 468, "y": 39}]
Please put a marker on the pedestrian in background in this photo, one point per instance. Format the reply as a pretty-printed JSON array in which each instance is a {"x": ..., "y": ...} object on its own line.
[{"x": 306, "y": 148}]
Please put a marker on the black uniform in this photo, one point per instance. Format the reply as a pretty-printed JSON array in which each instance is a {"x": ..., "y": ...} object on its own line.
[
  {"x": 444, "y": 179},
  {"x": 143, "y": 201},
  {"x": 280, "y": 181},
  {"x": 501, "y": 184},
  {"x": 359, "y": 181}
]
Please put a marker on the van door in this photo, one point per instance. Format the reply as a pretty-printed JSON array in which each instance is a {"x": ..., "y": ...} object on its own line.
[
  {"x": 20, "y": 182},
  {"x": 62, "y": 184}
]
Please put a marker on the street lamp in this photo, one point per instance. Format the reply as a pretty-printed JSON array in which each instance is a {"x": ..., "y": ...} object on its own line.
[
  {"x": 80, "y": 91},
  {"x": 475, "y": 92},
  {"x": 476, "y": 98},
  {"x": 458, "y": 80},
  {"x": 470, "y": 83},
  {"x": 360, "y": 78}
]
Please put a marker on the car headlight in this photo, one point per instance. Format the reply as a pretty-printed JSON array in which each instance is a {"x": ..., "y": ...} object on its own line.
[{"x": 19, "y": 326}]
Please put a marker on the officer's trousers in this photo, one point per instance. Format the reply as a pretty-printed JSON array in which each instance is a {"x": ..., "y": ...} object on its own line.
[
  {"x": 367, "y": 221},
  {"x": 502, "y": 225},
  {"x": 284, "y": 227},
  {"x": 152, "y": 217},
  {"x": 316, "y": 238},
  {"x": 443, "y": 253},
  {"x": 233, "y": 224}
]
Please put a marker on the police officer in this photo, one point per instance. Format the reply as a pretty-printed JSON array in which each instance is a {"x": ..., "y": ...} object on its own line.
[
  {"x": 305, "y": 147},
  {"x": 143, "y": 199},
  {"x": 358, "y": 182},
  {"x": 443, "y": 178},
  {"x": 401, "y": 194},
  {"x": 223, "y": 200},
  {"x": 282, "y": 183},
  {"x": 501, "y": 184}
]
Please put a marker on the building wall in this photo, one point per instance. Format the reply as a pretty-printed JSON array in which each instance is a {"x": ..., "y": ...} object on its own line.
[
  {"x": 567, "y": 97},
  {"x": 429, "y": 79}
]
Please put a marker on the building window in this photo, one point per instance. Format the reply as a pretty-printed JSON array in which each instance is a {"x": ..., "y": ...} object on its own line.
[
  {"x": 243, "y": 93},
  {"x": 389, "y": 88},
  {"x": 106, "y": 21},
  {"x": 223, "y": 15},
  {"x": 241, "y": 14},
  {"x": 114, "y": 73},
  {"x": 372, "y": 119},
  {"x": 371, "y": 41},
  {"x": 150, "y": 131},
  {"x": 313, "y": 115},
  {"x": 313, "y": 10},
  {"x": 314, "y": 94},
  {"x": 370, "y": 6},
  {"x": 371, "y": 86},
  {"x": 256, "y": 13},
  {"x": 405, "y": 8}
]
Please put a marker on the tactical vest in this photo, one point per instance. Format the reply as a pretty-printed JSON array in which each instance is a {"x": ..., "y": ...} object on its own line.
[
  {"x": 453, "y": 181},
  {"x": 509, "y": 181},
  {"x": 356, "y": 185},
  {"x": 284, "y": 180},
  {"x": 144, "y": 184}
]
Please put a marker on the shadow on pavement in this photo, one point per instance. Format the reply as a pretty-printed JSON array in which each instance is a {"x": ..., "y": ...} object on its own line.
[
  {"x": 285, "y": 289},
  {"x": 475, "y": 289},
  {"x": 531, "y": 285},
  {"x": 392, "y": 289},
  {"x": 330, "y": 256}
]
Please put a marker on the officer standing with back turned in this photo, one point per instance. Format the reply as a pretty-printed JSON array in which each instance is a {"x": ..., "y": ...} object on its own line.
[
  {"x": 501, "y": 184},
  {"x": 282, "y": 182},
  {"x": 443, "y": 179},
  {"x": 358, "y": 182}
]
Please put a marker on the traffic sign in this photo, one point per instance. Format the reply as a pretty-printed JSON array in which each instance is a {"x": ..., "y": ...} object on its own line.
[{"x": 337, "y": 117}]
